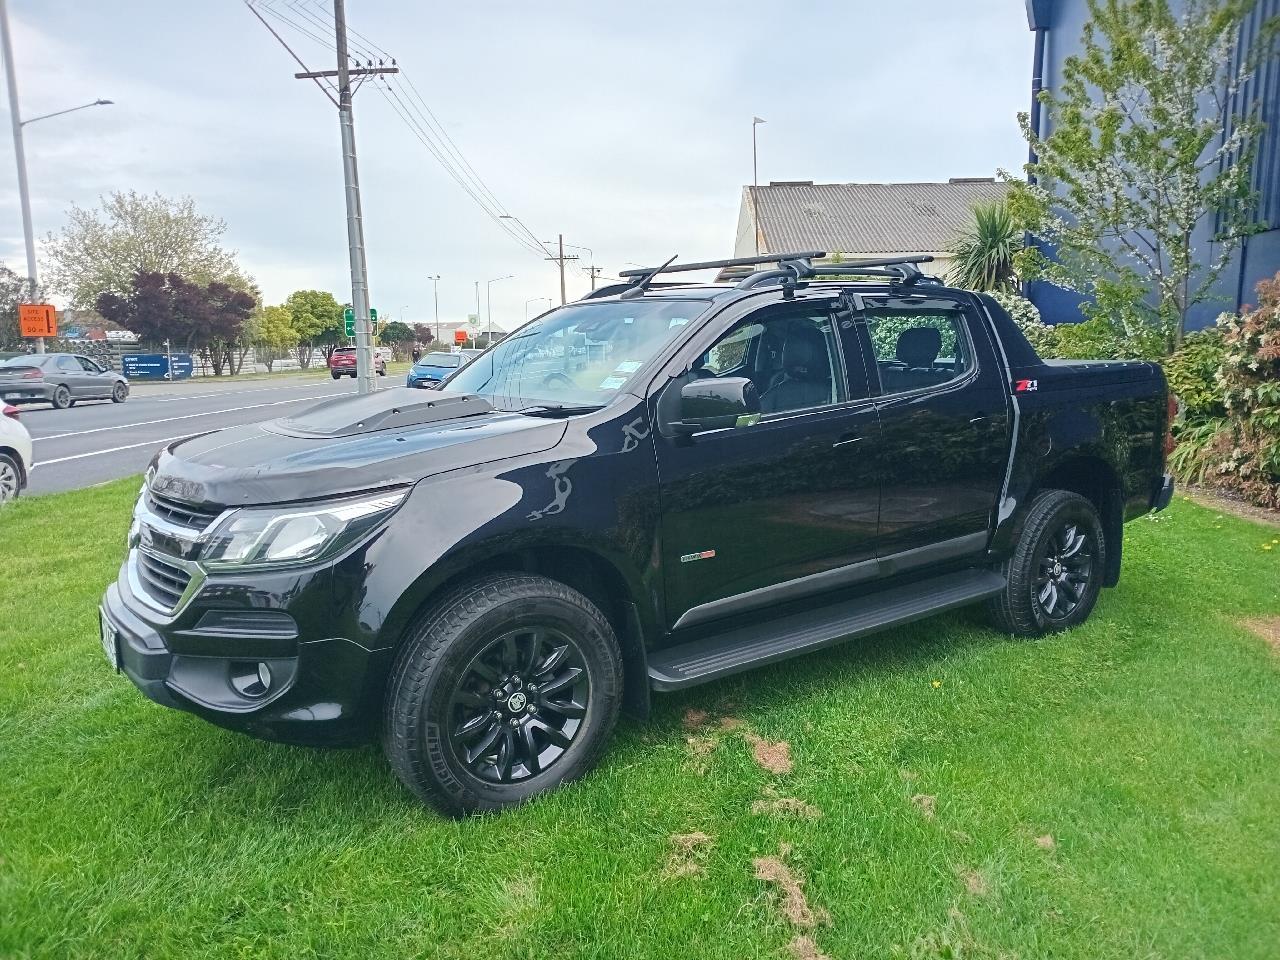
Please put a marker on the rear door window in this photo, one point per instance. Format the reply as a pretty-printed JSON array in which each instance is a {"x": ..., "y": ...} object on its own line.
[{"x": 918, "y": 348}]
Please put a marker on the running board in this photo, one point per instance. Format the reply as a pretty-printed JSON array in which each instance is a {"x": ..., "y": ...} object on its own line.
[{"x": 744, "y": 648}]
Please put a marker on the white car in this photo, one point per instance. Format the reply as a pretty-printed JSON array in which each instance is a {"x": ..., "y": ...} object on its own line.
[{"x": 15, "y": 454}]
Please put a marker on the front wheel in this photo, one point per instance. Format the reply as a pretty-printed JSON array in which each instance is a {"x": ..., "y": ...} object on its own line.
[
  {"x": 505, "y": 689},
  {"x": 119, "y": 393},
  {"x": 335, "y": 374},
  {"x": 10, "y": 478},
  {"x": 1055, "y": 573}
]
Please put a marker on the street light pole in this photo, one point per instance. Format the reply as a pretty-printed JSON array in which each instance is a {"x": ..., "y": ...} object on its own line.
[
  {"x": 19, "y": 150},
  {"x": 488, "y": 299},
  {"x": 535, "y": 300},
  {"x": 435, "y": 291},
  {"x": 755, "y": 173}
]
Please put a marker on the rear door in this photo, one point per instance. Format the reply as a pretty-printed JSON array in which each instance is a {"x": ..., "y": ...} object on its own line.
[
  {"x": 759, "y": 514},
  {"x": 945, "y": 427}
]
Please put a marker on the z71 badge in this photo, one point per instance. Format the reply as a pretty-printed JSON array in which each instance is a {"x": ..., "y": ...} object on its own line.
[{"x": 704, "y": 555}]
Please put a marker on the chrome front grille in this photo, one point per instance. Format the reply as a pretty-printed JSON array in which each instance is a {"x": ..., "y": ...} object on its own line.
[
  {"x": 164, "y": 581},
  {"x": 182, "y": 514}
]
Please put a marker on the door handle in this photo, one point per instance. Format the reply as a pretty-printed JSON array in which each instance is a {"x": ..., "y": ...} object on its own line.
[
  {"x": 845, "y": 442},
  {"x": 978, "y": 419}
]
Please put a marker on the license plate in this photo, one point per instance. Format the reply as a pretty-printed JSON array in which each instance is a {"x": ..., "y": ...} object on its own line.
[{"x": 110, "y": 641}]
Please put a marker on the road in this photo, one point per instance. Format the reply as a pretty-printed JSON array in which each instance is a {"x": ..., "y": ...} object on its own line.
[{"x": 94, "y": 441}]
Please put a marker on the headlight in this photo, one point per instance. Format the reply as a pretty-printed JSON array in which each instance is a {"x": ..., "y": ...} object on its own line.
[{"x": 271, "y": 536}]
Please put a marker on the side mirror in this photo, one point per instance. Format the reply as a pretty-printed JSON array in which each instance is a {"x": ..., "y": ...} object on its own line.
[{"x": 717, "y": 404}]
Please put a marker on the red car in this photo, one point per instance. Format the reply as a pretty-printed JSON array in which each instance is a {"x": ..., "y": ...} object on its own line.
[{"x": 342, "y": 363}]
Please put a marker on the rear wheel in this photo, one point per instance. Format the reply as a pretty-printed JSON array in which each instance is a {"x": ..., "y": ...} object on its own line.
[
  {"x": 505, "y": 689},
  {"x": 119, "y": 393},
  {"x": 1054, "y": 576},
  {"x": 61, "y": 398},
  {"x": 335, "y": 374},
  {"x": 10, "y": 478}
]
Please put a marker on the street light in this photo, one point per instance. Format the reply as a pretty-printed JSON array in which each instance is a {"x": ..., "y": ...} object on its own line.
[
  {"x": 488, "y": 302},
  {"x": 535, "y": 300},
  {"x": 402, "y": 309},
  {"x": 435, "y": 284},
  {"x": 24, "y": 197},
  {"x": 755, "y": 172}
]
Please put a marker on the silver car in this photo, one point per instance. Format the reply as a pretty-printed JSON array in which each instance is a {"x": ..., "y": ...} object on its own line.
[{"x": 60, "y": 379}]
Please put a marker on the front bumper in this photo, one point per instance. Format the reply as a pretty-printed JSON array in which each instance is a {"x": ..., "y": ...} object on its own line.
[
  {"x": 205, "y": 656},
  {"x": 1164, "y": 495},
  {"x": 421, "y": 383}
]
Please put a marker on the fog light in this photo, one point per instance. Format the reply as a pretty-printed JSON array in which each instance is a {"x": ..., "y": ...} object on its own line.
[{"x": 251, "y": 679}]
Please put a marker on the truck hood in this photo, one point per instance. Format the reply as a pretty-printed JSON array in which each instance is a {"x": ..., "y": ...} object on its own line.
[{"x": 347, "y": 445}]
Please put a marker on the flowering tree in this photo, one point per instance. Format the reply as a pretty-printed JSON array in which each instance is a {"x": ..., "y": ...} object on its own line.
[{"x": 1144, "y": 146}]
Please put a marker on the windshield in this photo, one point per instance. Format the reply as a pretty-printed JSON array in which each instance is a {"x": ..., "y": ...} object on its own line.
[
  {"x": 440, "y": 360},
  {"x": 581, "y": 354}
]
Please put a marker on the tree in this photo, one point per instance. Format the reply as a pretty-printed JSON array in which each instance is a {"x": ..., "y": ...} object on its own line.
[
  {"x": 14, "y": 289},
  {"x": 100, "y": 250},
  {"x": 982, "y": 257},
  {"x": 396, "y": 335},
  {"x": 273, "y": 333},
  {"x": 424, "y": 333},
  {"x": 205, "y": 319},
  {"x": 317, "y": 317},
  {"x": 1144, "y": 146}
]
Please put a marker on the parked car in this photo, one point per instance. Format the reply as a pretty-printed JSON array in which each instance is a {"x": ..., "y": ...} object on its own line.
[
  {"x": 15, "y": 454},
  {"x": 646, "y": 490},
  {"x": 342, "y": 363},
  {"x": 429, "y": 372},
  {"x": 62, "y": 379}
]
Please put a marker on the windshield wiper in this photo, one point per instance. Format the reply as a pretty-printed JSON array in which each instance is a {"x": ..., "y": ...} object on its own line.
[{"x": 557, "y": 409}]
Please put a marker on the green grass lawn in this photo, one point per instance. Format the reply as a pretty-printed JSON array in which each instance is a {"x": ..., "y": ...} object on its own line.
[{"x": 1106, "y": 793}]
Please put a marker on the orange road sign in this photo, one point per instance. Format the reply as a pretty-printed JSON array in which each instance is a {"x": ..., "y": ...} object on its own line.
[{"x": 37, "y": 320}]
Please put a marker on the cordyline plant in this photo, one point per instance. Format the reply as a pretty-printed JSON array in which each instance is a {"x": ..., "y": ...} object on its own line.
[{"x": 1146, "y": 141}]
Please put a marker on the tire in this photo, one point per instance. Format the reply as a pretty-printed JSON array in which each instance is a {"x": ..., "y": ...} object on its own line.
[
  {"x": 10, "y": 478},
  {"x": 335, "y": 374},
  {"x": 61, "y": 398},
  {"x": 119, "y": 393},
  {"x": 465, "y": 725},
  {"x": 1054, "y": 575}
]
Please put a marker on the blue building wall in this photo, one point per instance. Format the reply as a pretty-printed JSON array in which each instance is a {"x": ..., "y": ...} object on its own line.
[{"x": 1059, "y": 26}]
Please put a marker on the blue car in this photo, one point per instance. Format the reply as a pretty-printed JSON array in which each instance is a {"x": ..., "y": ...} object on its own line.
[{"x": 428, "y": 372}]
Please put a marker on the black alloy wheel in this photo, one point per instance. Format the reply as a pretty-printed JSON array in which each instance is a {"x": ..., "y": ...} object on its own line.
[
  {"x": 1064, "y": 571},
  {"x": 1054, "y": 574},
  {"x": 519, "y": 704},
  {"x": 504, "y": 688}
]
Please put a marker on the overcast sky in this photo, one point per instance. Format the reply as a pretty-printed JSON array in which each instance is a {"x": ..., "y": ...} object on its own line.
[{"x": 626, "y": 127}]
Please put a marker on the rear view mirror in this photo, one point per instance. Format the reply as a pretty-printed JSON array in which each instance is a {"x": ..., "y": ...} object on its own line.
[{"x": 717, "y": 404}]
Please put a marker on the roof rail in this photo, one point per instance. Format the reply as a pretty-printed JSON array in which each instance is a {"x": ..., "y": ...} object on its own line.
[{"x": 733, "y": 262}]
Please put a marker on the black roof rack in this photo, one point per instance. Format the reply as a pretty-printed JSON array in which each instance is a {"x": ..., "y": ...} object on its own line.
[{"x": 791, "y": 268}]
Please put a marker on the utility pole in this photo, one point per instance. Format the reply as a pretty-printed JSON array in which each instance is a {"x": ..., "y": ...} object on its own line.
[
  {"x": 24, "y": 196},
  {"x": 366, "y": 381},
  {"x": 755, "y": 173},
  {"x": 560, "y": 260},
  {"x": 594, "y": 272}
]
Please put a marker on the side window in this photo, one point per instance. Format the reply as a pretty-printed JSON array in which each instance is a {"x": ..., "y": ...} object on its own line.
[
  {"x": 918, "y": 349},
  {"x": 89, "y": 365},
  {"x": 792, "y": 356},
  {"x": 68, "y": 365}
]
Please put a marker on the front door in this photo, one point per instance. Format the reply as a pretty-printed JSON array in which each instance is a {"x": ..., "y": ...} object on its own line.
[
  {"x": 945, "y": 425},
  {"x": 760, "y": 514}
]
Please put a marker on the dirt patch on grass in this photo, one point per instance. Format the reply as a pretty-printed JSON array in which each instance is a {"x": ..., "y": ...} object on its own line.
[
  {"x": 1046, "y": 842},
  {"x": 774, "y": 756},
  {"x": 1268, "y": 628},
  {"x": 803, "y": 948},
  {"x": 695, "y": 719},
  {"x": 795, "y": 905},
  {"x": 688, "y": 854},
  {"x": 974, "y": 882},
  {"x": 927, "y": 803}
]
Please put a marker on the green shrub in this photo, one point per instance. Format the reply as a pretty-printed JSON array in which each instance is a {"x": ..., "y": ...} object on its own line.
[
  {"x": 1026, "y": 315},
  {"x": 1087, "y": 340},
  {"x": 1249, "y": 377},
  {"x": 1192, "y": 372}
]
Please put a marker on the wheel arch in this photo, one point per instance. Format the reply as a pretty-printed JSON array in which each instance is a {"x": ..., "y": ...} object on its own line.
[
  {"x": 1094, "y": 478},
  {"x": 598, "y": 575}
]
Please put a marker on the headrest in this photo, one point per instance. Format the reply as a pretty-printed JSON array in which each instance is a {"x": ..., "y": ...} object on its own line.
[{"x": 919, "y": 346}]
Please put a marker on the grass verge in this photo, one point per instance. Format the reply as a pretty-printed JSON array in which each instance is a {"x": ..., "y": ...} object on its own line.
[{"x": 937, "y": 791}]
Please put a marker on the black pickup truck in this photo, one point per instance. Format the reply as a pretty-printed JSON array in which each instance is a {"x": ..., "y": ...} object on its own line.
[{"x": 651, "y": 488}]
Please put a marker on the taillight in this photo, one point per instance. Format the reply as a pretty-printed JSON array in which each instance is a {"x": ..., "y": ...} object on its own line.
[
  {"x": 10, "y": 411},
  {"x": 1171, "y": 411},
  {"x": 33, "y": 375}
]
